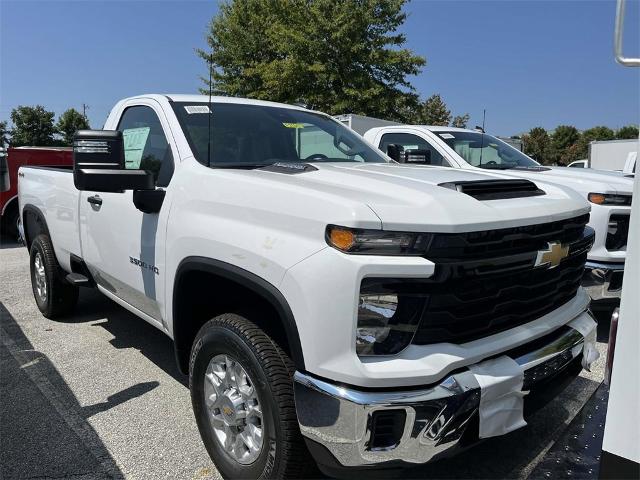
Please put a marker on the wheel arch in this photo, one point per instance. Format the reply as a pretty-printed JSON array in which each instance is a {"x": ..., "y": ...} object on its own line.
[
  {"x": 33, "y": 224},
  {"x": 9, "y": 204},
  {"x": 230, "y": 277}
]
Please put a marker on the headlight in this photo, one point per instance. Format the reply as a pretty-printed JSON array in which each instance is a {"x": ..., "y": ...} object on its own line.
[
  {"x": 609, "y": 199},
  {"x": 389, "y": 311},
  {"x": 376, "y": 242}
]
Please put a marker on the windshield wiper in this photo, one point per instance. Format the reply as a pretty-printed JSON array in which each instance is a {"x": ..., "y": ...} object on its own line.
[
  {"x": 241, "y": 165},
  {"x": 496, "y": 167},
  {"x": 533, "y": 168}
]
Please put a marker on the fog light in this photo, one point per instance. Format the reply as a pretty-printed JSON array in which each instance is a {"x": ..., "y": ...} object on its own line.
[
  {"x": 389, "y": 311},
  {"x": 374, "y": 313}
]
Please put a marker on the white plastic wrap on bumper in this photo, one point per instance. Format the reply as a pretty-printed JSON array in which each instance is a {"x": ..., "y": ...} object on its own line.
[
  {"x": 587, "y": 327},
  {"x": 501, "y": 398}
]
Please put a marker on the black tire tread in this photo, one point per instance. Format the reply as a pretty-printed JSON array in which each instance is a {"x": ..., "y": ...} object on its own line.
[
  {"x": 296, "y": 460},
  {"x": 63, "y": 295}
]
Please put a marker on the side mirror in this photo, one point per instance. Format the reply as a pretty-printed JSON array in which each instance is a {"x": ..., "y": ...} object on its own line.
[
  {"x": 5, "y": 182},
  {"x": 418, "y": 156},
  {"x": 394, "y": 151},
  {"x": 98, "y": 164}
]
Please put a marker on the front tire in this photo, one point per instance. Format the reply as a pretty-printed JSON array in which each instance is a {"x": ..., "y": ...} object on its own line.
[
  {"x": 54, "y": 296},
  {"x": 242, "y": 395}
]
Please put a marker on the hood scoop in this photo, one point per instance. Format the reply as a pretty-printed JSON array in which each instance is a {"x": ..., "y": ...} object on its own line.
[
  {"x": 292, "y": 168},
  {"x": 495, "y": 189}
]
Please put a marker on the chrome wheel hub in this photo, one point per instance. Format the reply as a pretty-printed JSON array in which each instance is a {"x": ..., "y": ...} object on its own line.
[
  {"x": 40, "y": 277},
  {"x": 234, "y": 409}
]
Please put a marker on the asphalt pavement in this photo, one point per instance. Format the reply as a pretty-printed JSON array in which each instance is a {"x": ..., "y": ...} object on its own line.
[{"x": 98, "y": 395}]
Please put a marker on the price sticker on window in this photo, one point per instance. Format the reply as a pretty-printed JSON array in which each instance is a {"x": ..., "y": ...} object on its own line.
[{"x": 135, "y": 140}]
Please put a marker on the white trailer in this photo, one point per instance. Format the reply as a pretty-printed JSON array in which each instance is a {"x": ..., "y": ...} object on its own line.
[
  {"x": 611, "y": 154},
  {"x": 361, "y": 124}
]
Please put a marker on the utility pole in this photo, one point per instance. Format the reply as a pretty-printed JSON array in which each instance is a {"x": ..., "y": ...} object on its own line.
[{"x": 85, "y": 107}]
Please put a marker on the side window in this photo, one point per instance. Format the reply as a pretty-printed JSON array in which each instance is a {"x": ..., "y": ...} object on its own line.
[
  {"x": 145, "y": 145},
  {"x": 409, "y": 141}
]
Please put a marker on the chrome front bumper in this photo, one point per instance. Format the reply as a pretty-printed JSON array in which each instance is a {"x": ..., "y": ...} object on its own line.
[
  {"x": 435, "y": 418},
  {"x": 603, "y": 280}
]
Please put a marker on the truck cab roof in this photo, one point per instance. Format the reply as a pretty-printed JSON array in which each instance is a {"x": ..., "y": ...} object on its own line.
[{"x": 181, "y": 97}]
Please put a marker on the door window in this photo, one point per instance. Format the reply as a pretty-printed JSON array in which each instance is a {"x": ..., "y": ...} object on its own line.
[
  {"x": 145, "y": 144},
  {"x": 408, "y": 141}
]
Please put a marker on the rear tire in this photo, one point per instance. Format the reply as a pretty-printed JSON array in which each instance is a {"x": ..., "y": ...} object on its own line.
[
  {"x": 10, "y": 222},
  {"x": 268, "y": 386},
  {"x": 54, "y": 296}
]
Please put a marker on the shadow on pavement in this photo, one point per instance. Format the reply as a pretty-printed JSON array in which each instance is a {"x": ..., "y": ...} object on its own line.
[
  {"x": 8, "y": 242},
  {"x": 128, "y": 330},
  {"x": 43, "y": 429}
]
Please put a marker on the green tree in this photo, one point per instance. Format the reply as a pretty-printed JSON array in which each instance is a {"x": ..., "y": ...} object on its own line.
[
  {"x": 32, "y": 126},
  {"x": 627, "y": 132},
  {"x": 581, "y": 149},
  {"x": 563, "y": 137},
  {"x": 537, "y": 144},
  {"x": 4, "y": 134},
  {"x": 573, "y": 152},
  {"x": 333, "y": 55},
  {"x": 460, "y": 121},
  {"x": 598, "y": 133},
  {"x": 435, "y": 111},
  {"x": 69, "y": 123}
]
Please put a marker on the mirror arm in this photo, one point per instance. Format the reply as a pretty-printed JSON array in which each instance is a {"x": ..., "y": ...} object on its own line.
[{"x": 149, "y": 201}]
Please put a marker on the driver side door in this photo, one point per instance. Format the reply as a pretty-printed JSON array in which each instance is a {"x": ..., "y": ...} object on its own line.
[{"x": 122, "y": 246}]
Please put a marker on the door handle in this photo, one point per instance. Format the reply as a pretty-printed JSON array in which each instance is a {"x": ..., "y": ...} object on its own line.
[{"x": 94, "y": 200}]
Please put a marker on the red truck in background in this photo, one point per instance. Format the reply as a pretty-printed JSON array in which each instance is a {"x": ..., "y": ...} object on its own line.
[{"x": 10, "y": 162}]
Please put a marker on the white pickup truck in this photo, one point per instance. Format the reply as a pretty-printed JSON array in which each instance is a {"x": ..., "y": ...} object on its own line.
[
  {"x": 325, "y": 301},
  {"x": 610, "y": 193}
]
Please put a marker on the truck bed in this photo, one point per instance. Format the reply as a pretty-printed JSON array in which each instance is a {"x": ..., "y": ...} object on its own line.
[{"x": 51, "y": 191}]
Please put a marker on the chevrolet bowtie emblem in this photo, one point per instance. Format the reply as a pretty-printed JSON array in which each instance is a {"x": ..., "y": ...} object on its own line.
[{"x": 552, "y": 256}]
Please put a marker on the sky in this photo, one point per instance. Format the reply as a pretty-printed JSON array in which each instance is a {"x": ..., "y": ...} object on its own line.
[{"x": 527, "y": 62}]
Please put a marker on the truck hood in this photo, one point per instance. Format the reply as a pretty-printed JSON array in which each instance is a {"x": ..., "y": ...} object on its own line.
[
  {"x": 409, "y": 198},
  {"x": 583, "y": 180}
]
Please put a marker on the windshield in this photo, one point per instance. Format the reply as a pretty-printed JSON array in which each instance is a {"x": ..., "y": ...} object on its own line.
[
  {"x": 256, "y": 135},
  {"x": 486, "y": 151}
]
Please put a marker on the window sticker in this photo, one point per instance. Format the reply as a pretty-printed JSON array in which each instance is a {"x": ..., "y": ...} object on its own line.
[
  {"x": 447, "y": 136},
  {"x": 197, "y": 109},
  {"x": 411, "y": 147},
  {"x": 134, "y": 141},
  {"x": 293, "y": 125}
]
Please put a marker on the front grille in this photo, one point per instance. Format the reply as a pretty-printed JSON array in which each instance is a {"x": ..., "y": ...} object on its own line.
[
  {"x": 505, "y": 241},
  {"x": 485, "y": 282},
  {"x": 618, "y": 232}
]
